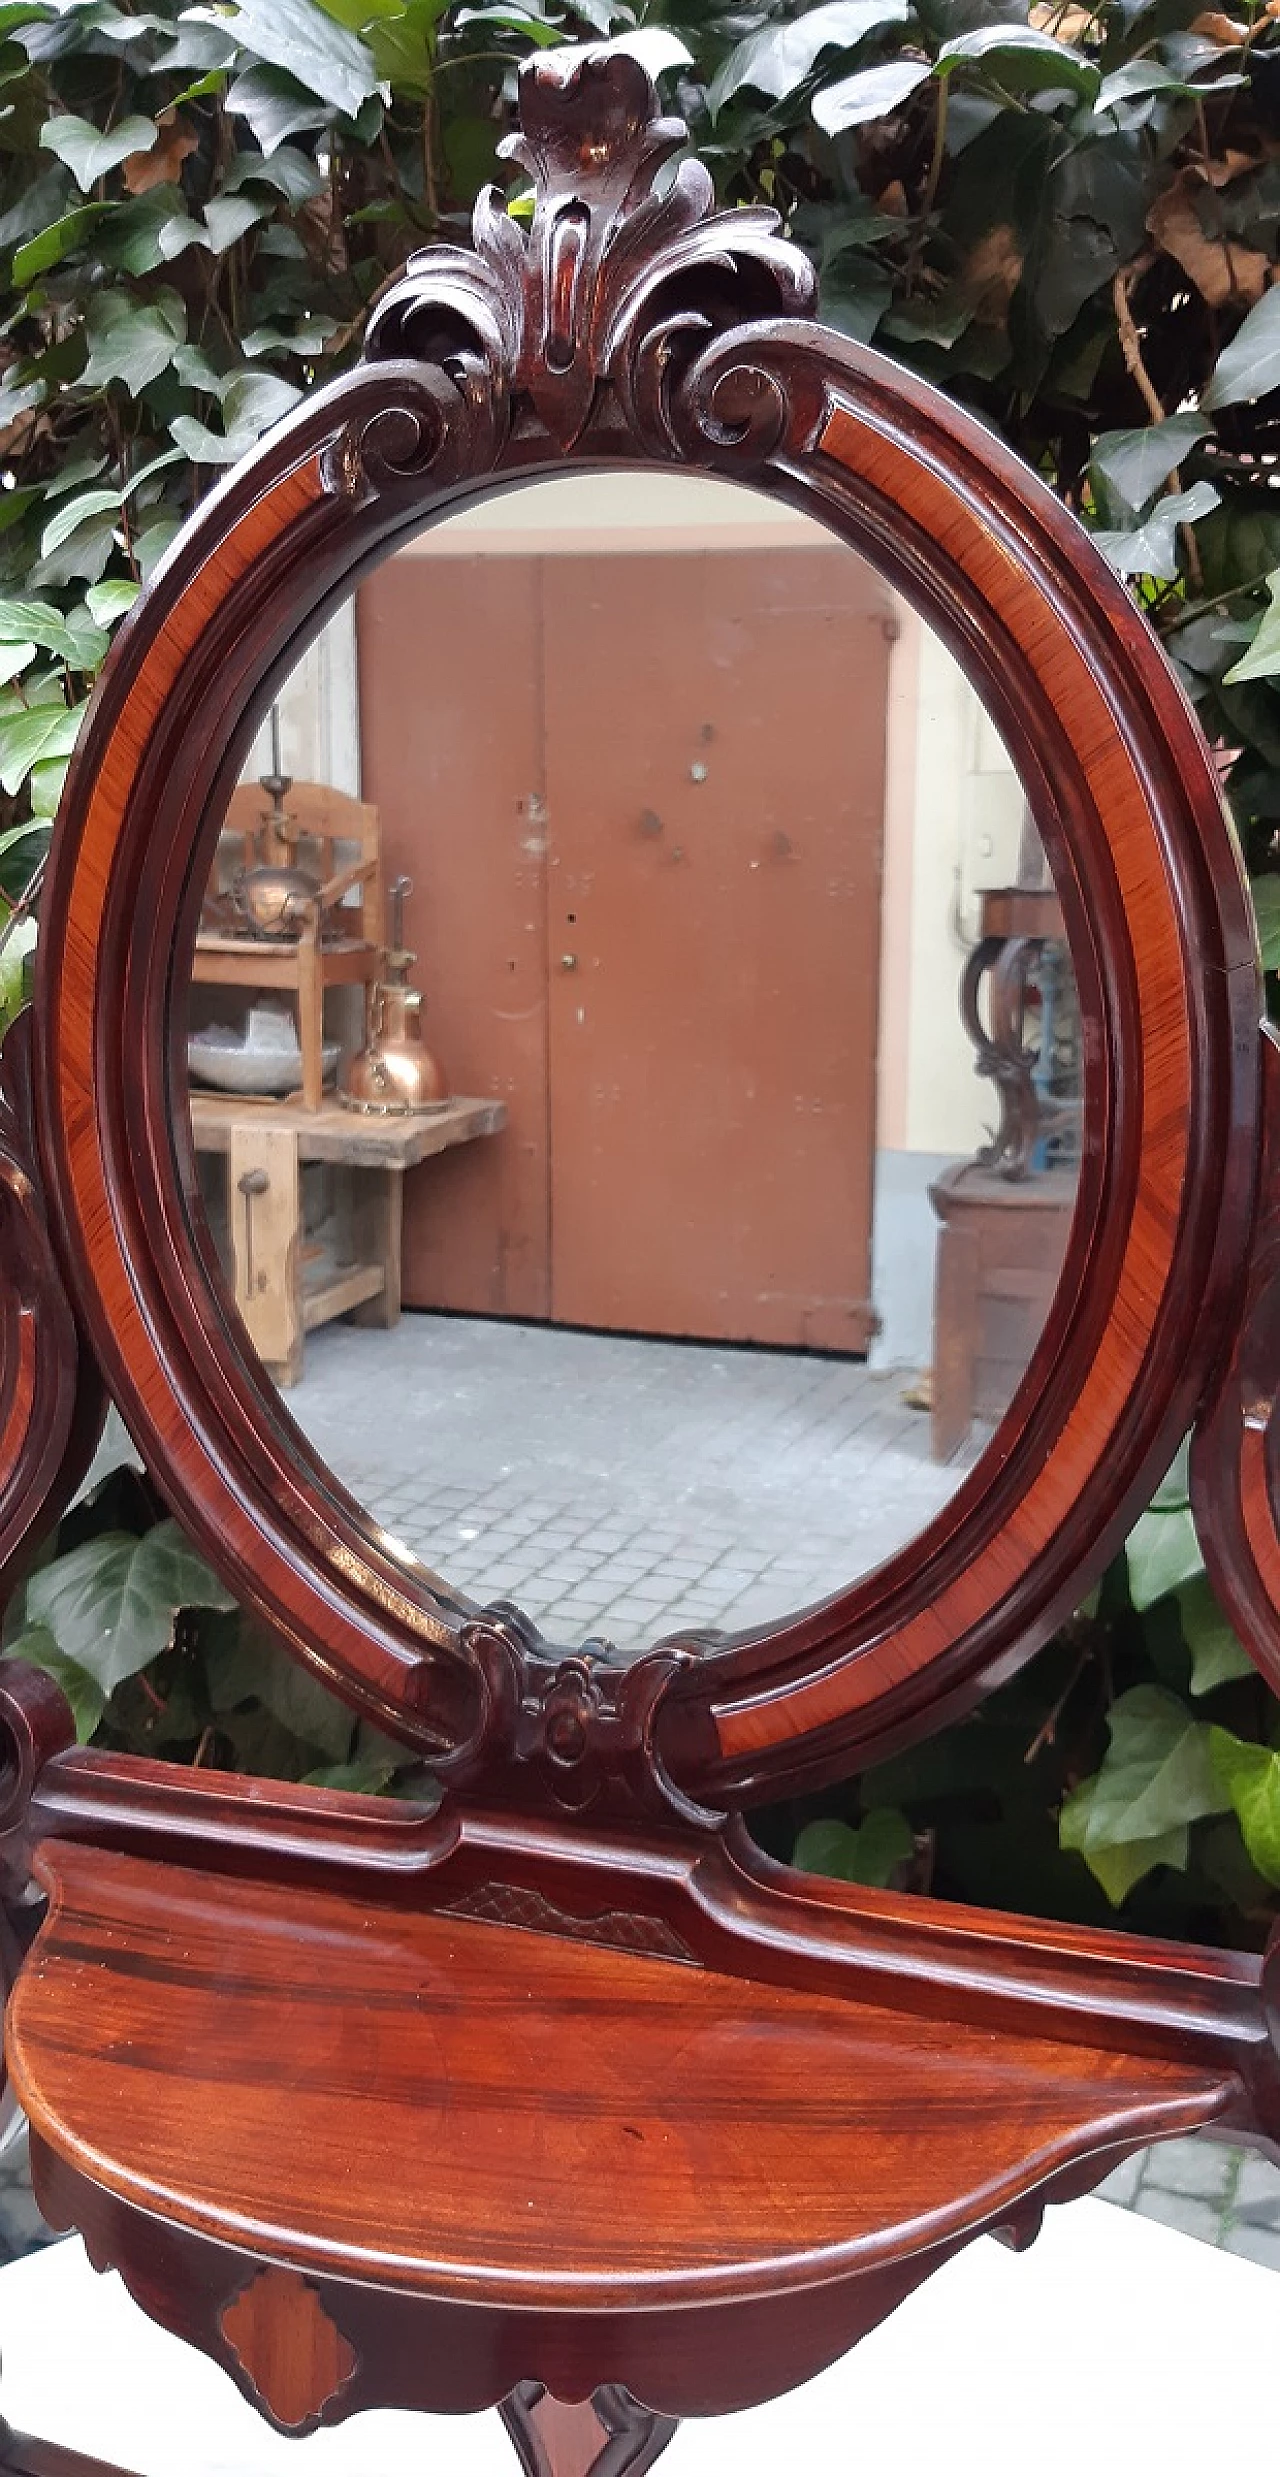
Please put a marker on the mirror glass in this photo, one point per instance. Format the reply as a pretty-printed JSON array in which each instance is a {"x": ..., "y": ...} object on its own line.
[{"x": 639, "y": 1216}]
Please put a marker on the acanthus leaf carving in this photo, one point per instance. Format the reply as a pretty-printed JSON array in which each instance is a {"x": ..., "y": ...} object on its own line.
[{"x": 616, "y": 284}]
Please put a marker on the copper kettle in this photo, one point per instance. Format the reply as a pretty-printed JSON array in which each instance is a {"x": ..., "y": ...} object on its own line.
[{"x": 394, "y": 1075}]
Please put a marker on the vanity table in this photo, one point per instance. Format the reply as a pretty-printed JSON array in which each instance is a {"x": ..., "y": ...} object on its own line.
[{"x": 561, "y": 2095}]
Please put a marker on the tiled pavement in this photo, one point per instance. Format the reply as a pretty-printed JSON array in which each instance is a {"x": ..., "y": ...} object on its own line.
[{"x": 616, "y": 1485}]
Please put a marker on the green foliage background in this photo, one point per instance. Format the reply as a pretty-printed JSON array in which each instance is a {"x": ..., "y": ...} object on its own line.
[{"x": 1066, "y": 216}]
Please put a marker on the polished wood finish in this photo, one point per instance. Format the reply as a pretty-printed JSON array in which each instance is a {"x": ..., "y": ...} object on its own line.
[{"x": 564, "y": 2084}]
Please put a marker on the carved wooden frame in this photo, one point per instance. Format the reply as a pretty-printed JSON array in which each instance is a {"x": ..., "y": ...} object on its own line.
[
  {"x": 638, "y": 327},
  {"x": 632, "y": 325}
]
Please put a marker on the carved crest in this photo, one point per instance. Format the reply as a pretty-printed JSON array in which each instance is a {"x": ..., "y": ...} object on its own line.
[{"x": 614, "y": 285}]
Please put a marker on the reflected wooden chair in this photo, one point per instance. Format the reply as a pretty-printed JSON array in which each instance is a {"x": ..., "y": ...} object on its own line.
[
  {"x": 339, "y": 839},
  {"x": 563, "y": 2096}
]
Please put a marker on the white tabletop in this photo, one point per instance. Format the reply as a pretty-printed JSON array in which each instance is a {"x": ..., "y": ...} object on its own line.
[{"x": 1116, "y": 2345}]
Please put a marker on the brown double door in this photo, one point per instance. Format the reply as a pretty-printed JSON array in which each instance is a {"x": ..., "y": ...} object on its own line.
[{"x": 640, "y": 796}]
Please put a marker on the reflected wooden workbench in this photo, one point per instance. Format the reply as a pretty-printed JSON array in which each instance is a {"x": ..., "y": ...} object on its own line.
[{"x": 265, "y": 1146}]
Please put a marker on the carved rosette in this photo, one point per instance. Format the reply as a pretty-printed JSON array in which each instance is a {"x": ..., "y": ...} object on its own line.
[
  {"x": 595, "y": 313},
  {"x": 569, "y": 1732}
]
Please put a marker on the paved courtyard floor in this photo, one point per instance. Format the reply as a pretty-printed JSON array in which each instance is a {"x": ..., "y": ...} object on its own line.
[{"x": 616, "y": 1485}]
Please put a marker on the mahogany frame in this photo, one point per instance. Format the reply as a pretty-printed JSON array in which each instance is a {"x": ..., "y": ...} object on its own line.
[
  {"x": 632, "y": 326},
  {"x": 485, "y": 369}
]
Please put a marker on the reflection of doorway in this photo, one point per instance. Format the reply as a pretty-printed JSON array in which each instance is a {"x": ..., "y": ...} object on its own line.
[{"x": 640, "y": 794}]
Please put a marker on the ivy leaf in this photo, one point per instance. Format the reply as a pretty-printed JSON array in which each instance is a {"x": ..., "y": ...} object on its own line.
[
  {"x": 1250, "y": 365},
  {"x": 252, "y": 1666},
  {"x": 275, "y": 106},
  {"x": 1020, "y": 58},
  {"x": 1262, "y": 661},
  {"x": 111, "y": 599},
  {"x": 14, "y": 660},
  {"x": 1136, "y": 462},
  {"x": 294, "y": 176},
  {"x": 779, "y": 58},
  {"x": 1151, "y": 549},
  {"x": 83, "y": 1693},
  {"x": 39, "y": 621},
  {"x": 1162, "y": 1552},
  {"x": 111, "y": 1604},
  {"x": 134, "y": 341},
  {"x": 45, "y": 731},
  {"x": 870, "y": 94},
  {"x": 1217, "y": 1653},
  {"x": 251, "y": 401},
  {"x": 72, "y": 514},
  {"x": 297, "y": 37},
  {"x": 1134, "y": 79},
  {"x": 1155, "y": 1778},
  {"x": 50, "y": 247},
  {"x": 865, "y": 1853},
  {"x": 227, "y": 219},
  {"x": 90, "y": 153},
  {"x": 1118, "y": 1868},
  {"x": 1249, "y": 1777},
  {"x": 367, "y": 1775}
]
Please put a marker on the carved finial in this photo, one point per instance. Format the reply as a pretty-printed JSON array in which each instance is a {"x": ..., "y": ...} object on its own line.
[{"x": 612, "y": 283}]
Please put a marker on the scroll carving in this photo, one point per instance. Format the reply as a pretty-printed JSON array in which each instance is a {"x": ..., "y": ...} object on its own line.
[
  {"x": 568, "y": 1732},
  {"x": 292, "y": 2353},
  {"x": 601, "y": 308},
  {"x": 609, "y": 2435}
]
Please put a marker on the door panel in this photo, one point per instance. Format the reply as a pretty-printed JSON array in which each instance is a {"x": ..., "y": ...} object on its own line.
[
  {"x": 453, "y": 762},
  {"x": 715, "y": 730}
]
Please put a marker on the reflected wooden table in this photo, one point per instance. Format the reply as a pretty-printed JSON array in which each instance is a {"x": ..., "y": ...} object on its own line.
[{"x": 281, "y": 1295}]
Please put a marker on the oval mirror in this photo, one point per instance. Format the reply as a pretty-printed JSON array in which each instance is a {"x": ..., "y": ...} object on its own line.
[{"x": 634, "y": 1061}]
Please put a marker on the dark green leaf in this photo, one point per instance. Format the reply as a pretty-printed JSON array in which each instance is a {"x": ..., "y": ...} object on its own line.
[
  {"x": 1136, "y": 462},
  {"x": 48, "y": 248},
  {"x": 865, "y": 1853},
  {"x": 228, "y": 219},
  {"x": 1262, "y": 661},
  {"x": 1250, "y": 365},
  {"x": 83, "y": 1693},
  {"x": 90, "y": 153},
  {"x": 288, "y": 171},
  {"x": 1020, "y": 58},
  {"x": 296, "y": 36},
  {"x": 1162, "y": 1552},
  {"x": 1151, "y": 548},
  {"x": 1217, "y": 1653},
  {"x": 366, "y": 1777},
  {"x": 870, "y": 94},
  {"x": 1155, "y": 1779},
  {"x": 779, "y": 58},
  {"x": 1249, "y": 1777},
  {"x": 39, "y": 621},
  {"x": 1266, "y": 904},
  {"x": 110, "y": 600},
  {"x": 46, "y": 731},
  {"x": 111, "y": 1605},
  {"x": 14, "y": 660},
  {"x": 252, "y": 1664},
  {"x": 72, "y": 514},
  {"x": 275, "y": 105},
  {"x": 132, "y": 340}
]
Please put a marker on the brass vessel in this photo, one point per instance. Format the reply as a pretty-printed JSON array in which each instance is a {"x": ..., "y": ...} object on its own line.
[{"x": 395, "y": 1074}]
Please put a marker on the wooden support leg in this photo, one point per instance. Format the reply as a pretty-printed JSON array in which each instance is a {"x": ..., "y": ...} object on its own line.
[
  {"x": 311, "y": 1015},
  {"x": 376, "y": 1219},
  {"x": 264, "y": 1204},
  {"x": 609, "y": 2435},
  {"x": 955, "y": 1339}
]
